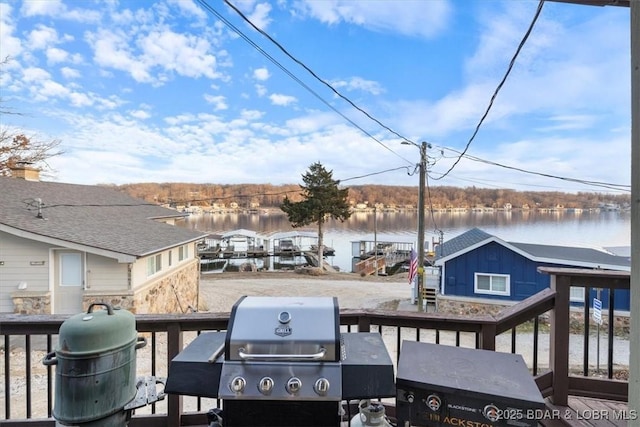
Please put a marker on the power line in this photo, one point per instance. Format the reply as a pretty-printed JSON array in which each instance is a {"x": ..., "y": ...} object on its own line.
[
  {"x": 495, "y": 93},
  {"x": 433, "y": 218},
  {"x": 303, "y": 65},
  {"x": 618, "y": 187},
  {"x": 210, "y": 9},
  {"x": 375, "y": 173}
]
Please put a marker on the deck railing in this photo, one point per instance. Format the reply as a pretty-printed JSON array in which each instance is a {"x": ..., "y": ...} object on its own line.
[{"x": 168, "y": 335}]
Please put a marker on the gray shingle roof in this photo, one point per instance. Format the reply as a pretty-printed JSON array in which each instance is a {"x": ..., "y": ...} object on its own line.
[
  {"x": 567, "y": 253},
  {"x": 92, "y": 216},
  {"x": 462, "y": 242},
  {"x": 547, "y": 253}
]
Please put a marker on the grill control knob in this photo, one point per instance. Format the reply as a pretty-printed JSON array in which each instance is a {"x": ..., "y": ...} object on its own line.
[
  {"x": 237, "y": 384},
  {"x": 321, "y": 387},
  {"x": 265, "y": 385},
  {"x": 294, "y": 385}
]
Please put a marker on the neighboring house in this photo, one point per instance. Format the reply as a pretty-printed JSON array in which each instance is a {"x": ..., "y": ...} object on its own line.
[
  {"x": 65, "y": 246},
  {"x": 480, "y": 265}
]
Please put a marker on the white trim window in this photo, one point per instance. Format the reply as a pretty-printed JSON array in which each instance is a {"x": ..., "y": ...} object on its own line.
[
  {"x": 576, "y": 294},
  {"x": 183, "y": 252},
  {"x": 492, "y": 284},
  {"x": 154, "y": 264}
]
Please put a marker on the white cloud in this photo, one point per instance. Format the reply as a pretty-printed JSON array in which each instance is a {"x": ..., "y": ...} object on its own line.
[
  {"x": 140, "y": 114},
  {"x": 219, "y": 102},
  {"x": 407, "y": 17},
  {"x": 56, "y": 9},
  {"x": 189, "y": 8},
  {"x": 33, "y": 74},
  {"x": 11, "y": 45},
  {"x": 78, "y": 99},
  {"x": 358, "y": 83},
  {"x": 282, "y": 100},
  {"x": 55, "y": 55},
  {"x": 70, "y": 73},
  {"x": 257, "y": 12},
  {"x": 49, "y": 89},
  {"x": 260, "y": 15},
  {"x": 48, "y": 8},
  {"x": 161, "y": 52},
  {"x": 261, "y": 90},
  {"x": 251, "y": 114},
  {"x": 569, "y": 122},
  {"x": 42, "y": 37},
  {"x": 261, "y": 74}
]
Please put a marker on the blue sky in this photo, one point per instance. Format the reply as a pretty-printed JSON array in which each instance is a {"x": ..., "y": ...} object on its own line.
[{"x": 166, "y": 92}]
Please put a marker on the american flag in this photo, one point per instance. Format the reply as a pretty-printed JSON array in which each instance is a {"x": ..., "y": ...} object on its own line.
[{"x": 413, "y": 266}]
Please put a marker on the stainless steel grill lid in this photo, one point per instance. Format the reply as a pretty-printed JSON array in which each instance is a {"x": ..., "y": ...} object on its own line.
[
  {"x": 304, "y": 329},
  {"x": 289, "y": 347}
]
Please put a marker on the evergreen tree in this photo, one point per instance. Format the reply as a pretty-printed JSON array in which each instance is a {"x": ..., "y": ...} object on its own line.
[{"x": 321, "y": 200}]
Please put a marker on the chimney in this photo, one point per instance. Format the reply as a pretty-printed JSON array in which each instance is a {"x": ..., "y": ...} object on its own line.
[{"x": 23, "y": 170}]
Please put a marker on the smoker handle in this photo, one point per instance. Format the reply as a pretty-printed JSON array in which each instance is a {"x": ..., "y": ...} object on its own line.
[
  {"x": 314, "y": 356},
  {"x": 104, "y": 304},
  {"x": 50, "y": 359},
  {"x": 141, "y": 342}
]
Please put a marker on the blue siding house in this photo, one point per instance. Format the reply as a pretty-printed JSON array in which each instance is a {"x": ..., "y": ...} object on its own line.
[{"x": 478, "y": 264}]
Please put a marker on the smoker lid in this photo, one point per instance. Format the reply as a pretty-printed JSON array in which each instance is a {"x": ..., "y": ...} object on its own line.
[{"x": 96, "y": 331}]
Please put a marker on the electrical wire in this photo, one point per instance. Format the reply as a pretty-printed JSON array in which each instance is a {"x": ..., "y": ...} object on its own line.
[
  {"x": 376, "y": 173},
  {"x": 433, "y": 218},
  {"x": 498, "y": 88},
  {"x": 303, "y": 65},
  {"x": 608, "y": 185},
  {"x": 210, "y": 9}
]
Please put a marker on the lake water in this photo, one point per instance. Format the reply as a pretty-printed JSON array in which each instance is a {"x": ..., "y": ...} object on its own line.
[{"x": 592, "y": 229}]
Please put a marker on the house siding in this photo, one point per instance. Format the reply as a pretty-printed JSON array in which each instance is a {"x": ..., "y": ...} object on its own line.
[
  {"x": 106, "y": 274},
  {"x": 17, "y": 256},
  {"x": 173, "y": 289},
  {"x": 139, "y": 276},
  {"x": 525, "y": 280}
]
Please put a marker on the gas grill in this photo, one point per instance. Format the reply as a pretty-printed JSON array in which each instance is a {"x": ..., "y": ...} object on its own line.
[{"x": 283, "y": 361}]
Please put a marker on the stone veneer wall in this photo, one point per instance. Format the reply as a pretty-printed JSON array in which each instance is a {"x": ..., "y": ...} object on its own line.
[
  {"x": 121, "y": 300},
  {"x": 30, "y": 302},
  {"x": 467, "y": 307},
  {"x": 176, "y": 293}
]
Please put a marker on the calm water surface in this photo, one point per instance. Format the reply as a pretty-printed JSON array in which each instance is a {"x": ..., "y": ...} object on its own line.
[{"x": 594, "y": 229}]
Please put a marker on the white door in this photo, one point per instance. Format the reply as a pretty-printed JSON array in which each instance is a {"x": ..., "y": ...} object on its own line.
[{"x": 69, "y": 283}]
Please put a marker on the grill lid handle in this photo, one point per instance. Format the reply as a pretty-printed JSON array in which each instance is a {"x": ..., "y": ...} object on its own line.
[{"x": 256, "y": 356}]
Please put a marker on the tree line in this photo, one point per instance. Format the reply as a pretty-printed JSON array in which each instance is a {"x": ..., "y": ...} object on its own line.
[{"x": 272, "y": 196}]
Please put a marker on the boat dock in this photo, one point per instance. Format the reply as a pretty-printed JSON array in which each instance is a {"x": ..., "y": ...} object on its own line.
[
  {"x": 246, "y": 250},
  {"x": 370, "y": 257}
]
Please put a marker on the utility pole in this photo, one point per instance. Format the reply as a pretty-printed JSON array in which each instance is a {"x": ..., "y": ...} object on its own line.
[
  {"x": 423, "y": 172},
  {"x": 375, "y": 235}
]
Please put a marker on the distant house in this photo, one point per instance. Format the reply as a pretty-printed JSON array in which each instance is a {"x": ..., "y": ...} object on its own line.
[
  {"x": 65, "y": 246},
  {"x": 479, "y": 265}
]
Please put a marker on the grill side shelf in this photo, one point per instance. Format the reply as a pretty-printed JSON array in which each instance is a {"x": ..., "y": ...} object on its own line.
[
  {"x": 367, "y": 369},
  {"x": 192, "y": 373}
]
